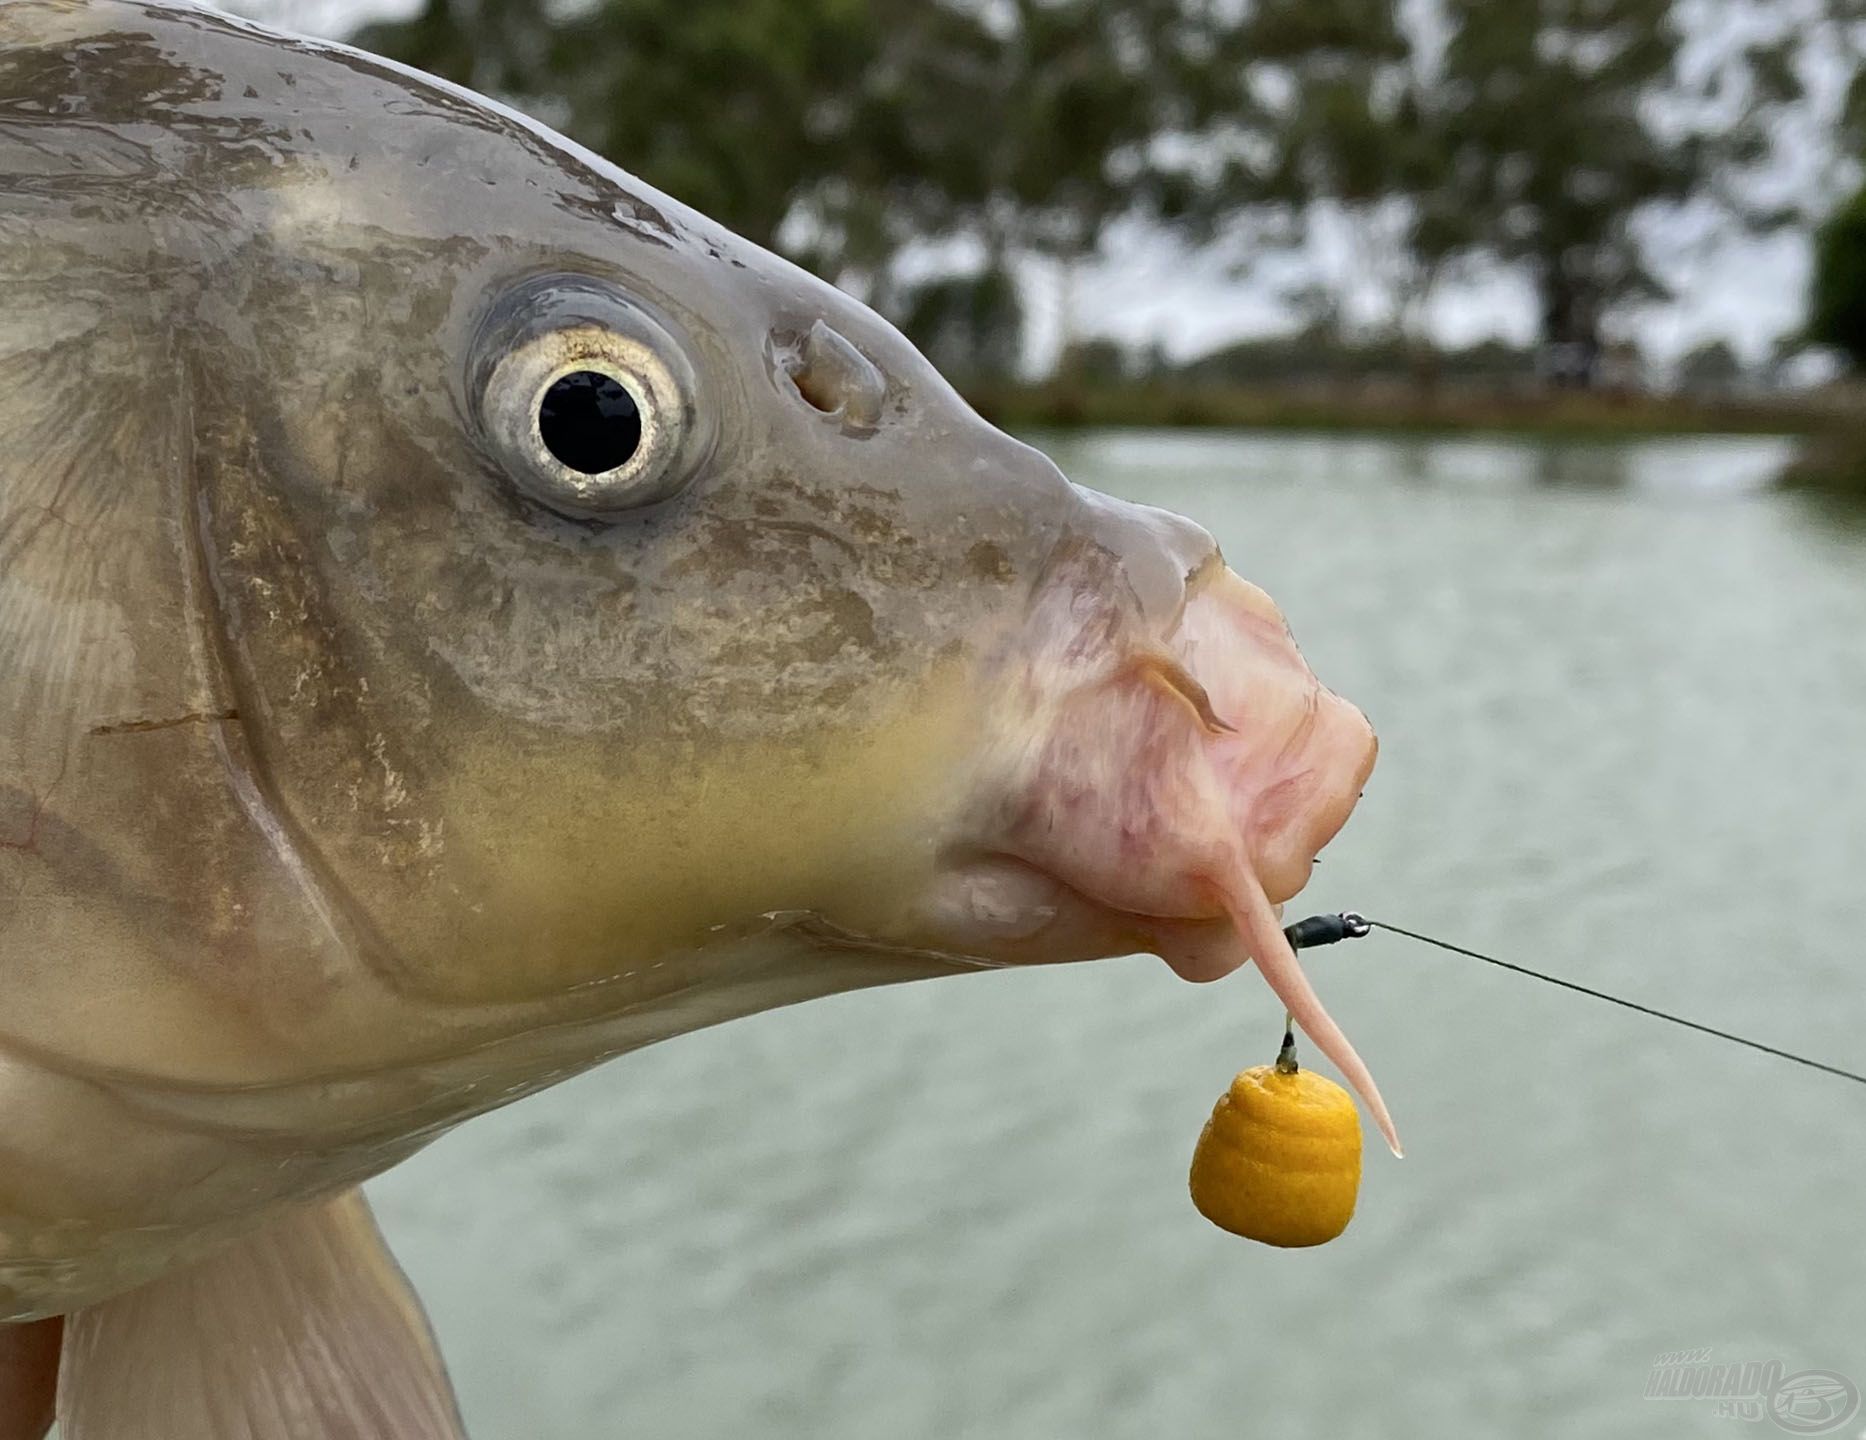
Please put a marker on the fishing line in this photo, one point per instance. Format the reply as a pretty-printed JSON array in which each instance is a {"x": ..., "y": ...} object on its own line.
[{"x": 1329, "y": 929}]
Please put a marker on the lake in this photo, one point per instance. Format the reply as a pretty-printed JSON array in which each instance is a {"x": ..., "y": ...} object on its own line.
[{"x": 1621, "y": 694}]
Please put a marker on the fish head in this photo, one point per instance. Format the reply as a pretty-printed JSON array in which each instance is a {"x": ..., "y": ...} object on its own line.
[
  {"x": 596, "y": 590},
  {"x": 1159, "y": 774},
  {"x": 1153, "y": 769},
  {"x": 594, "y": 585}
]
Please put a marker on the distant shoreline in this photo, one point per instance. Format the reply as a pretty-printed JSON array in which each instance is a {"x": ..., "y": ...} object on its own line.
[{"x": 1399, "y": 408}]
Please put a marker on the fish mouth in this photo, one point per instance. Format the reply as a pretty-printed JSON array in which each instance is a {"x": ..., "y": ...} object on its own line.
[
  {"x": 1163, "y": 789},
  {"x": 1004, "y": 910}
]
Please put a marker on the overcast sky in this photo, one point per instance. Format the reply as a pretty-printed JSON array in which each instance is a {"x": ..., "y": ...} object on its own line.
[{"x": 1148, "y": 290}]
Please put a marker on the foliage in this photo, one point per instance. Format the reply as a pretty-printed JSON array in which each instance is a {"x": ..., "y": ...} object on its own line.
[
  {"x": 1711, "y": 366},
  {"x": 1319, "y": 90},
  {"x": 1838, "y": 303},
  {"x": 1560, "y": 128},
  {"x": 734, "y": 109},
  {"x": 1539, "y": 138},
  {"x": 1420, "y": 141},
  {"x": 1319, "y": 129},
  {"x": 864, "y": 123},
  {"x": 970, "y": 326}
]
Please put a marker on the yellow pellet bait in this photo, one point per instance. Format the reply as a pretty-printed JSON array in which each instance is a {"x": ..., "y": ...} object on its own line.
[{"x": 1280, "y": 1159}]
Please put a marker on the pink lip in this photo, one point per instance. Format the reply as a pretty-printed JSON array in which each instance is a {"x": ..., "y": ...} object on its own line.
[
  {"x": 1009, "y": 911},
  {"x": 1174, "y": 796},
  {"x": 1157, "y": 774}
]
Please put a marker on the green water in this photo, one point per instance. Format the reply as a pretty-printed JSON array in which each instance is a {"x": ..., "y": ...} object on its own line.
[{"x": 1621, "y": 692}]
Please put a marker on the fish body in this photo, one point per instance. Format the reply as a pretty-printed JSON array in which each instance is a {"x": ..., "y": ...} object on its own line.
[{"x": 465, "y": 616}]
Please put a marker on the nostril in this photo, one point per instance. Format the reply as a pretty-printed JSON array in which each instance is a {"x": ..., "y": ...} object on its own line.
[
  {"x": 815, "y": 388},
  {"x": 836, "y": 378}
]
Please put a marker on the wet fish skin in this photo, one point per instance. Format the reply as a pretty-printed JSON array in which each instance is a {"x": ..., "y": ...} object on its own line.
[
  {"x": 362, "y": 769},
  {"x": 346, "y": 791}
]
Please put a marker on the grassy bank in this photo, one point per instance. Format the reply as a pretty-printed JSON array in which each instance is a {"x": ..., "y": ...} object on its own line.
[
  {"x": 1398, "y": 407},
  {"x": 1833, "y": 464}
]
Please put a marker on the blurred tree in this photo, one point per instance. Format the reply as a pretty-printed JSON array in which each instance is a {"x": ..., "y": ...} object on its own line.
[
  {"x": 1327, "y": 150},
  {"x": 1710, "y": 367},
  {"x": 970, "y": 326},
  {"x": 1837, "y": 32},
  {"x": 1563, "y": 127},
  {"x": 1838, "y": 304},
  {"x": 845, "y": 129},
  {"x": 1305, "y": 356},
  {"x": 1096, "y": 360},
  {"x": 1538, "y": 135},
  {"x": 1026, "y": 128},
  {"x": 1326, "y": 102},
  {"x": 732, "y": 108}
]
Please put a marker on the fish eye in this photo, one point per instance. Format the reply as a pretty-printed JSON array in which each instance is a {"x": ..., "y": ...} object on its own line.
[
  {"x": 586, "y": 400},
  {"x": 590, "y": 421}
]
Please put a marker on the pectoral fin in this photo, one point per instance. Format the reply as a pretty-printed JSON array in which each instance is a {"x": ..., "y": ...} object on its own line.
[{"x": 307, "y": 1330}]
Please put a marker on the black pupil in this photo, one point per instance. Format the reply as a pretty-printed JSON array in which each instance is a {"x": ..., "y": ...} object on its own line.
[{"x": 589, "y": 422}]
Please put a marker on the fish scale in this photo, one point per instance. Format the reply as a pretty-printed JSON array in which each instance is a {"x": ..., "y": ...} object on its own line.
[{"x": 388, "y": 732}]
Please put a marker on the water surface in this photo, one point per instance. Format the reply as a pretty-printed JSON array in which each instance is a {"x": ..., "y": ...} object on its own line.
[{"x": 1621, "y": 691}]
